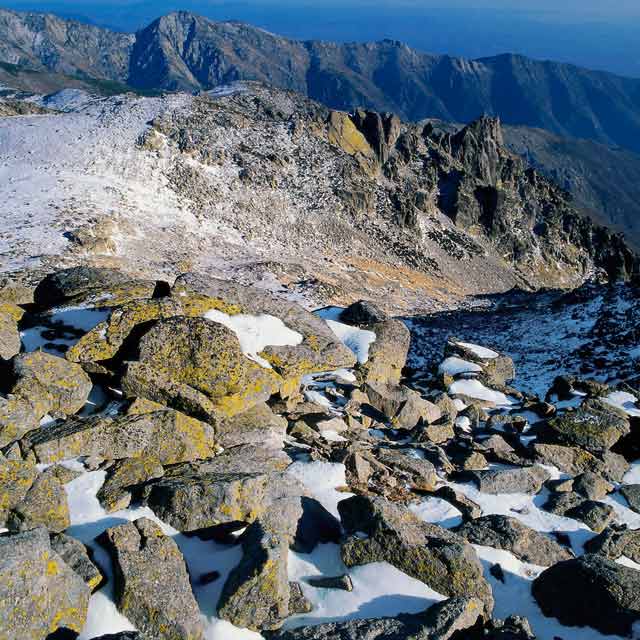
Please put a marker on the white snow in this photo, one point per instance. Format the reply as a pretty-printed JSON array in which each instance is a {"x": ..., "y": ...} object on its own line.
[
  {"x": 379, "y": 589},
  {"x": 322, "y": 480},
  {"x": 453, "y": 366},
  {"x": 256, "y": 333},
  {"x": 65, "y": 322},
  {"x": 481, "y": 352},
  {"x": 437, "y": 511},
  {"x": 475, "y": 389},
  {"x": 633, "y": 475},
  {"x": 358, "y": 340},
  {"x": 625, "y": 401}
]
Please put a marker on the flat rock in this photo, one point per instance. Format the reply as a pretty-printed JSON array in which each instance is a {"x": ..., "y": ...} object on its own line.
[
  {"x": 17, "y": 417},
  {"x": 590, "y": 591},
  {"x": 152, "y": 583},
  {"x": 596, "y": 515},
  {"x": 595, "y": 426},
  {"x": 421, "y": 472},
  {"x": 525, "y": 480},
  {"x": 429, "y": 553},
  {"x": 169, "y": 435},
  {"x": 574, "y": 461},
  {"x": 16, "y": 478},
  {"x": 39, "y": 593},
  {"x": 592, "y": 486},
  {"x": 503, "y": 532},
  {"x": 237, "y": 486}
]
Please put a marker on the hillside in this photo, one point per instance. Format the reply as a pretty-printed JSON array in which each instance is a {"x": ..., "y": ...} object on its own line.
[{"x": 255, "y": 182}]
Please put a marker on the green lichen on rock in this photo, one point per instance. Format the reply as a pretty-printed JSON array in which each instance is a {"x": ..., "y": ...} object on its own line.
[
  {"x": 52, "y": 384},
  {"x": 39, "y": 593},
  {"x": 152, "y": 583},
  {"x": 16, "y": 478}
]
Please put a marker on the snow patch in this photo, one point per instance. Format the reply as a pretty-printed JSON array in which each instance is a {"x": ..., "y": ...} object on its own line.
[
  {"x": 475, "y": 389},
  {"x": 358, "y": 340},
  {"x": 481, "y": 352},
  {"x": 453, "y": 366},
  {"x": 256, "y": 333}
]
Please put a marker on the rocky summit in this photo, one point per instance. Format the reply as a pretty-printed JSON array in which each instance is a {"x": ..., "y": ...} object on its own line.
[{"x": 273, "y": 370}]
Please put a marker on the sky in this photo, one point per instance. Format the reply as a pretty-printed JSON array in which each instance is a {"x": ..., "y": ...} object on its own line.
[{"x": 598, "y": 34}]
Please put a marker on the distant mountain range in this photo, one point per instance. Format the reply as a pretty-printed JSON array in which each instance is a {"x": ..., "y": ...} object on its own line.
[{"x": 183, "y": 51}]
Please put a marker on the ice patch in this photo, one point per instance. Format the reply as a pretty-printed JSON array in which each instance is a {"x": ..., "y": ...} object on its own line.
[
  {"x": 358, "y": 340},
  {"x": 255, "y": 333}
]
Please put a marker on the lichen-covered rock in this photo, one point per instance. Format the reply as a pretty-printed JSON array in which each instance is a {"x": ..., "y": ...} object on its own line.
[
  {"x": 523, "y": 480},
  {"x": 427, "y": 552},
  {"x": 152, "y": 583},
  {"x": 590, "y": 591},
  {"x": 76, "y": 556},
  {"x": 39, "y": 593},
  {"x": 169, "y": 435},
  {"x": 9, "y": 334},
  {"x": 631, "y": 493},
  {"x": 16, "y": 478},
  {"x": 256, "y": 593},
  {"x": 596, "y": 515},
  {"x": 595, "y": 426},
  {"x": 236, "y": 486},
  {"x": 592, "y": 486},
  {"x": 421, "y": 473},
  {"x": 257, "y": 425},
  {"x": 387, "y": 354},
  {"x": 90, "y": 286},
  {"x": 44, "y": 505},
  {"x": 319, "y": 351},
  {"x": 616, "y": 541},
  {"x": 503, "y": 532},
  {"x": 497, "y": 369},
  {"x": 442, "y": 621},
  {"x": 574, "y": 461},
  {"x": 52, "y": 384},
  {"x": 202, "y": 356},
  {"x": 17, "y": 417},
  {"x": 116, "y": 492},
  {"x": 403, "y": 407}
]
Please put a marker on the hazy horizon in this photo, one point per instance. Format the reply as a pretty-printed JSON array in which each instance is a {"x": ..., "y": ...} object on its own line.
[{"x": 585, "y": 33}]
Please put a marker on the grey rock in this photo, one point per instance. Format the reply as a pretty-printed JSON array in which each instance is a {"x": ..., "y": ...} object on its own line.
[
  {"x": 467, "y": 507},
  {"x": 509, "y": 534},
  {"x": 39, "y": 593},
  {"x": 152, "y": 583},
  {"x": 592, "y": 486},
  {"x": 421, "y": 472},
  {"x": 298, "y": 602},
  {"x": 17, "y": 417},
  {"x": 387, "y": 355},
  {"x": 44, "y": 505},
  {"x": 631, "y": 493},
  {"x": 77, "y": 557},
  {"x": 16, "y": 478},
  {"x": 362, "y": 314},
  {"x": 616, "y": 541},
  {"x": 403, "y": 407},
  {"x": 528, "y": 480},
  {"x": 442, "y": 621},
  {"x": 236, "y": 486},
  {"x": 596, "y": 515},
  {"x": 595, "y": 426},
  {"x": 590, "y": 591},
  {"x": 258, "y": 425},
  {"x": 257, "y": 592},
  {"x": 424, "y": 551},
  {"x": 343, "y": 583}
]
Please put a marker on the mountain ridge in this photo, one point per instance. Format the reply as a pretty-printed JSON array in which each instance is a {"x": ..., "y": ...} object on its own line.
[{"x": 183, "y": 51}]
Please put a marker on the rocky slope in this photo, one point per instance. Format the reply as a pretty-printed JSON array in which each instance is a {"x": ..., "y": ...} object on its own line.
[
  {"x": 201, "y": 459},
  {"x": 185, "y": 51},
  {"x": 260, "y": 183}
]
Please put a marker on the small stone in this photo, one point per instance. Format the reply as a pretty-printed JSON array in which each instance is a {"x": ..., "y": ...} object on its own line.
[{"x": 334, "y": 582}]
